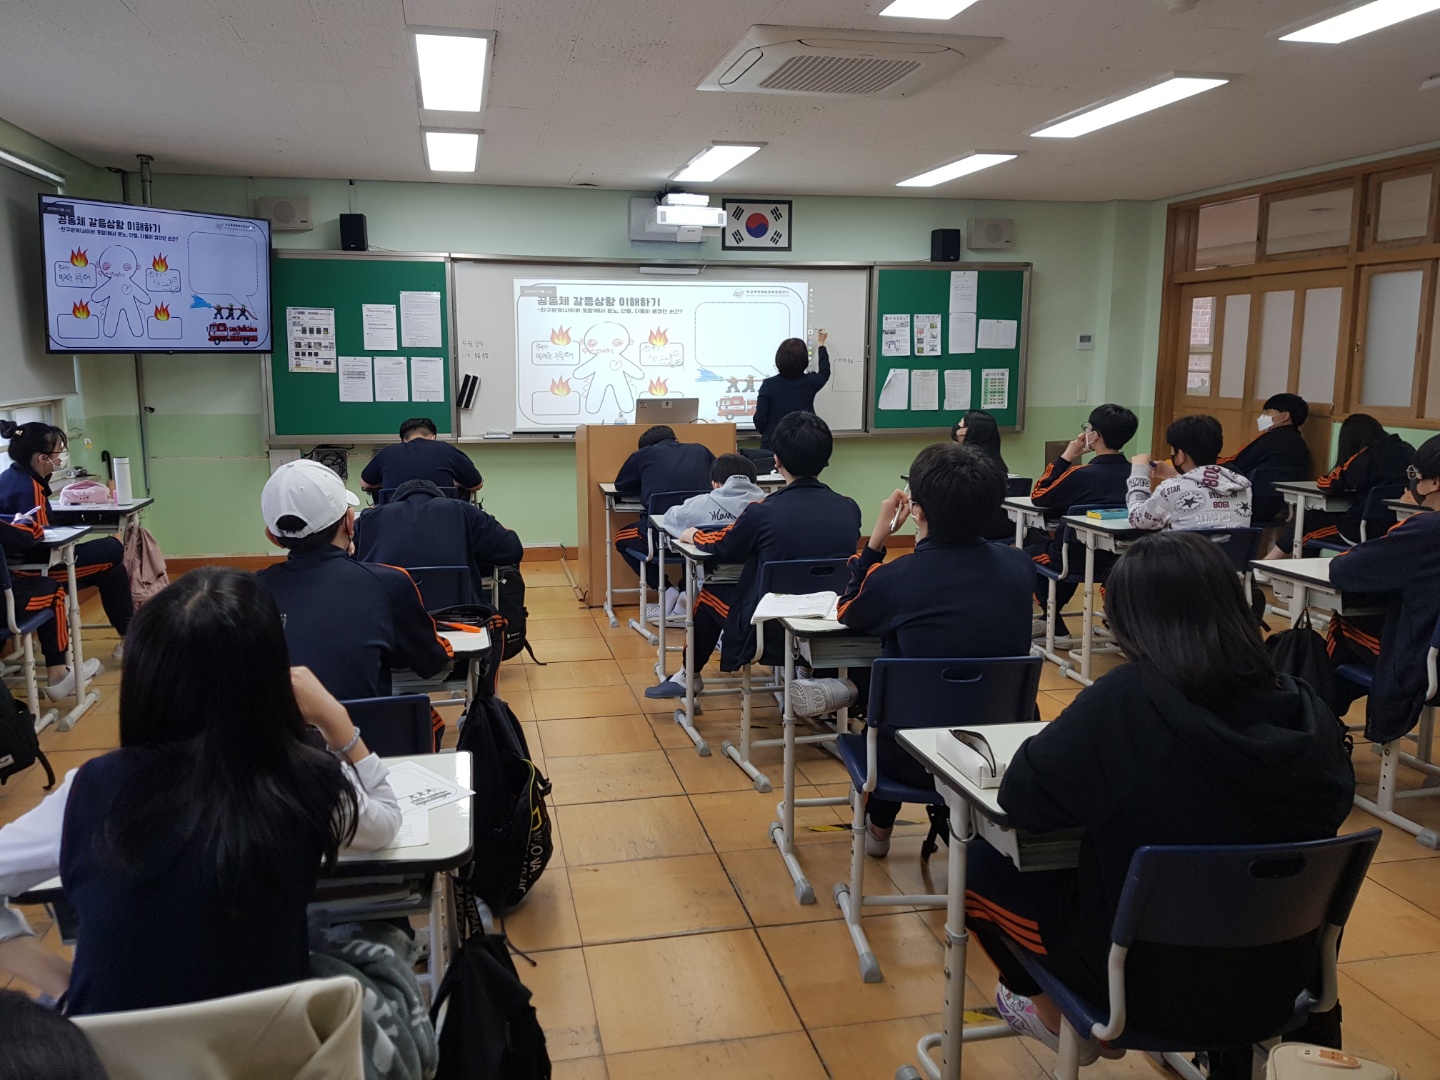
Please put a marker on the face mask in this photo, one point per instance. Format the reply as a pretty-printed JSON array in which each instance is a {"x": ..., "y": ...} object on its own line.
[
  {"x": 1264, "y": 423},
  {"x": 1087, "y": 440}
]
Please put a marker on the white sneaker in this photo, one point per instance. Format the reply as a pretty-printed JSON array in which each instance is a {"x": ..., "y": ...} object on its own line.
[
  {"x": 674, "y": 620},
  {"x": 1019, "y": 1012},
  {"x": 118, "y": 653},
  {"x": 66, "y": 686},
  {"x": 820, "y": 697},
  {"x": 874, "y": 846},
  {"x": 1037, "y": 626}
]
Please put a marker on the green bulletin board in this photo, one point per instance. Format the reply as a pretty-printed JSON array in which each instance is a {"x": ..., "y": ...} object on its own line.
[
  {"x": 998, "y": 299},
  {"x": 306, "y": 405}
]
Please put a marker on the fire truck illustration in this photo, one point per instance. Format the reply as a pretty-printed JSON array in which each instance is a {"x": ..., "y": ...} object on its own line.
[
  {"x": 238, "y": 334},
  {"x": 728, "y": 408}
]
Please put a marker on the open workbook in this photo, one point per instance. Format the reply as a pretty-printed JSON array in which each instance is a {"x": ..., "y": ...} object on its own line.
[{"x": 817, "y": 605}]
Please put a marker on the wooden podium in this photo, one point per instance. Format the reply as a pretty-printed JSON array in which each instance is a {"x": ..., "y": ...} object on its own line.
[{"x": 600, "y": 450}]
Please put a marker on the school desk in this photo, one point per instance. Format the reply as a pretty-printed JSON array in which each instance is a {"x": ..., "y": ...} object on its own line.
[
  {"x": 116, "y": 518},
  {"x": 1022, "y": 510},
  {"x": 1113, "y": 535},
  {"x": 1310, "y": 581},
  {"x": 1306, "y": 495},
  {"x": 1403, "y": 509},
  {"x": 59, "y": 547}
]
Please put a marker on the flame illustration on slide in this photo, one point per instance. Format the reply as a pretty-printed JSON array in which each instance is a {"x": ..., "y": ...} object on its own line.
[
  {"x": 162, "y": 313},
  {"x": 659, "y": 388},
  {"x": 560, "y": 336},
  {"x": 80, "y": 310},
  {"x": 659, "y": 338},
  {"x": 560, "y": 387},
  {"x": 159, "y": 265},
  {"x": 79, "y": 258}
]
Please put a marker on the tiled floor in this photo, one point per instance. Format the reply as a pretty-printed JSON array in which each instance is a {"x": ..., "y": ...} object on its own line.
[{"x": 666, "y": 937}]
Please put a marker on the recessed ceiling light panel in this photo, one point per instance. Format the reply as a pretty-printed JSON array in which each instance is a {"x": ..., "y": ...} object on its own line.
[
  {"x": 452, "y": 65},
  {"x": 956, "y": 169},
  {"x": 715, "y": 162},
  {"x": 926, "y": 9},
  {"x": 452, "y": 151},
  {"x": 1093, "y": 117},
  {"x": 1361, "y": 20}
]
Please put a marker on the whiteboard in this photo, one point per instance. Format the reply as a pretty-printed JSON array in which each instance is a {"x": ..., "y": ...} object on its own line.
[{"x": 496, "y": 306}]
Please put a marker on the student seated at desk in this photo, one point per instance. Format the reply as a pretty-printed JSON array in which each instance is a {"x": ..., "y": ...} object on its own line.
[
  {"x": 36, "y": 451},
  {"x": 1404, "y": 564},
  {"x": 1368, "y": 457},
  {"x": 419, "y": 526},
  {"x": 661, "y": 463},
  {"x": 1196, "y": 741},
  {"x": 793, "y": 389},
  {"x": 33, "y": 593},
  {"x": 1279, "y": 449},
  {"x": 419, "y": 455},
  {"x": 803, "y": 520},
  {"x": 191, "y": 852},
  {"x": 349, "y": 622},
  {"x": 1193, "y": 491},
  {"x": 956, "y": 596},
  {"x": 977, "y": 429},
  {"x": 1066, "y": 483}
]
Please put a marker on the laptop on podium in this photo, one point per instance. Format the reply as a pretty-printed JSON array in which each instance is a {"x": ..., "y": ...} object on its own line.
[{"x": 666, "y": 410}]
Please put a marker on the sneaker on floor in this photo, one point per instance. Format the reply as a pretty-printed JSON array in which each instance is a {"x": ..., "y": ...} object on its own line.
[
  {"x": 875, "y": 847},
  {"x": 1037, "y": 626},
  {"x": 1019, "y": 1012},
  {"x": 66, "y": 687},
  {"x": 118, "y": 653},
  {"x": 672, "y": 688},
  {"x": 820, "y": 697},
  {"x": 652, "y": 614}
]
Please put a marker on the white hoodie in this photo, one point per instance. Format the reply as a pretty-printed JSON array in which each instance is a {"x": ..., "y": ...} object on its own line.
[
  {"x": 1210, "y": 497},
  {"x": 714, "y": 509}
]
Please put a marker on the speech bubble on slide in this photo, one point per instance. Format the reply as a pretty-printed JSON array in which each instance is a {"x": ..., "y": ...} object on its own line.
[
  {"x": 225, "y": 264},
  {"x": 743, "y": 334},
  {"x": 69, "y": 276},
  {"x": 166, "y": 281}
]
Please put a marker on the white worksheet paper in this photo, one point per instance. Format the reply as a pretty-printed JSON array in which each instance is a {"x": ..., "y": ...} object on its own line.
[
  {"x": 895, "y": 394},
  {"x": 995, "y": 388},
  {"x": 962, "y": 332},
  {"x": 794, "y": 606},
  {"x": 964, "y": 287},
  {"x": 895, "y": 335},
  {"x": 924, "y": 389},
  {"x": 957, "y": 390},
  {"x": 427, "y": 378},
  {"x": 392, "y": 379},
  {"x": 927, "y": 335},
  {"x": 420, "y": 789},
  {"x": 379, "y": 323},
  {"x": 356, "y": 383},
  {"x": 420, "y": 321},
  {"x": 414, "y": 830},
  {"x": 997, "y": 333}
]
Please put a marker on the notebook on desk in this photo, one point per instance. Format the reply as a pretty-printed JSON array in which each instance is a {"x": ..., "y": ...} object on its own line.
[{"x": 58, "y": 534}]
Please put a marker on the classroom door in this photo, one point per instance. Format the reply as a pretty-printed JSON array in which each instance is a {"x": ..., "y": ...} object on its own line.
[{"x": 1246, "y": 340}]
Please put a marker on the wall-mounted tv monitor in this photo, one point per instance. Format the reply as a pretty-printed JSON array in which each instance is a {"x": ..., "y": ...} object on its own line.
[{"x": 128, "y": 279}]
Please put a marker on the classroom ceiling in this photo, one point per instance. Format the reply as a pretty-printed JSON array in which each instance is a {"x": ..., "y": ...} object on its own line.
[{"x": 602, "y": 92}]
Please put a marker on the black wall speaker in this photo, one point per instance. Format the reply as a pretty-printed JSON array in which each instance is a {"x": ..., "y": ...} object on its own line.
[
  {"x": 353, "y": 236},
  {"x": 944, "y": 245}
]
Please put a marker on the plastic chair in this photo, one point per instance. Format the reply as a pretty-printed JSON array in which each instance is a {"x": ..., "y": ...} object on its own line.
[
  {"x": 1372, "y": 512},
  {"x": 384, "y": 495},
  {"x": 1054, "y": 576},
  {"x": 920, "y": 694},
  {"x": 24, "y": 628},
  {"x": 658, "y": 503},
  {"x": 442, "y": 586},
  {"x": 1227, "y": 909},
  {"x": 394, "y": 726},
  {"x": 1240, "y": 545},
  {"x": 1017, "y": 487},
  {"x": 1263, "y": 494}
]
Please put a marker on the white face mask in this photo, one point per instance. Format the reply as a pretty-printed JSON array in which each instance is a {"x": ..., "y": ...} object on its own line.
[{"x": 1264, "y": 423}]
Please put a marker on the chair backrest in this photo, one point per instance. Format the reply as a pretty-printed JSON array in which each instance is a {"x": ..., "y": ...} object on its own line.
[
  {"x": 384, "y": 495},
  {"x": 1264, "y": 479},
  {"x": 1430, "y": 663},
  {"x": 1017, "y": 487},
  {"x": 664, "y": 500},
  {"x": 392, "y": 726},
  {"x": 962, "y": 693},
  {"x": 1373, "y": 510},
  {"x": 443, "y": 586},
  {"x": 799, "y": 576},
  {"x": 1239, "y": 545}
]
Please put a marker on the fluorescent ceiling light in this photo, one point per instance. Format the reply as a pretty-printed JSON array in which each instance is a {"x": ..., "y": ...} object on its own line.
[
  {"x": 964, "y": 167},
  {"x": 926, "y": 9},
  {"x": 452, "y": 151},
  {"x": 715, "y": 162},
  {"x": 31, "y": 168},
  {"x": 1173, "y": 89},
  {"x": 452, "y": 71},
  {"x": 1362, "y": 20}
]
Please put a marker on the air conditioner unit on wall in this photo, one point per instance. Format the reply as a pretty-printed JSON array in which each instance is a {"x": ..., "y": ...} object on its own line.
[
  {"x": 286, "y": 213},
  {"x": 855, "y": 63}
]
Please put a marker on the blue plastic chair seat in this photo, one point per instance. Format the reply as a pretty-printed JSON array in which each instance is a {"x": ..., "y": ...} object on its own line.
[
  {"x": 28, "y": 623},
  {"x": 1054, "y": 574},
  {"x": 1360, "y": 676},
  {"x": 852, "y": 754}
]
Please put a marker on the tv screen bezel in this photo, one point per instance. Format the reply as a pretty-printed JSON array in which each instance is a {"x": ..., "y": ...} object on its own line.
[{"x": 45, "y": 285}]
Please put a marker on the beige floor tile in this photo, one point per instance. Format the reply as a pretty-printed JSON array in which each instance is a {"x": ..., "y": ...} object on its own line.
[
  {"x": 877, "y": 1049},
  {"x": 563, "y": 1003},
  {"x": 670, "y": 734},
  {"x": 632, "y": 829},
  {"x": 821, "y": 972},
  {"x": 702, "y": 775},
  {"x": 563, "y": 675},
  {"x": 572, "y": 629},
  {"x": 637, "y": 666},
  {"x": 681, "y": 990},
  {"x": 653, "y": 898},
  {"x": 98, "y": 729},
  {"x": 1385, "y": 924},
  {"x": 579, "y": 702},
  {"x": 1053, "y": 702},
  {"x": 736, "y": 820},
  {"x": 1407, "y": 982},
  {"x": 546, "y": 920},
  {"x": 548, "y": 610},
  {"x": 630, "y": 646},
  {"x": 533, "y": 743},
  {"x": 589, "y": 647},
  {"x": 511, "y": 679},
  {"x": 1415, "y": 880},
  {"x": 770, "y": 1057},
  {"x": 580, "y": 737},
  {"x": 520, "y": 705},
  {"x": 580, "y": 1069},
  {"x": 765, "y": 887},
  {"x": 819, "y": 767},
  {"x": 1378, "y": 1030},
  {"x": 607, "y": 777},
  {"x": 1396, "y": 845}
]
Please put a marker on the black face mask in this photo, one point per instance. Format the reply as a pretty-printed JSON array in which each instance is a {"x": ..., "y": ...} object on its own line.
[{"x": 1414, "y": 486}]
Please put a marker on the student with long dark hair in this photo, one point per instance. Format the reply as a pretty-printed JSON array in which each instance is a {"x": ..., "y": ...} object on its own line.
[
  {"x": 36, "y": 451},
  {"x": 977, "y": 429},
  {"x": 190, "y": 852},
  {"x": 1197, "y": 741}
]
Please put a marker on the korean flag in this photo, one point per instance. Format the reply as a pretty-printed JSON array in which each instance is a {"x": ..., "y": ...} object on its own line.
[{"x": 755, "y": 225}]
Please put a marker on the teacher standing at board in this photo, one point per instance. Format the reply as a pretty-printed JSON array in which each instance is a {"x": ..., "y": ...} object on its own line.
[{"x": 793, "y": 389}]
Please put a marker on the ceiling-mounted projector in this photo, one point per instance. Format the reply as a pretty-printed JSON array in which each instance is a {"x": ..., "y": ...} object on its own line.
[{"x": 684, "y": 218}]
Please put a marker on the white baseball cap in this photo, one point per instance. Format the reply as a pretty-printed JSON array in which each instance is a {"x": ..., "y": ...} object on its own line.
[{"x": 309, "y": 491}]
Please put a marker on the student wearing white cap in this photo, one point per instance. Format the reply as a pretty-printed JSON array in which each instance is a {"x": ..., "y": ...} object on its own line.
[{"x": 349, "y": 622}]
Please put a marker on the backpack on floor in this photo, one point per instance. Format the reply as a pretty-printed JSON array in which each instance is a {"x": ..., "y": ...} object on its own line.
[
  {"x": 511, "y": 824},
  {"x": 490, "y": 1030},
  {"x": 19, "y": 745},
  {"x": 512, "y": 609},
  {"x": 145, "y": 565}
]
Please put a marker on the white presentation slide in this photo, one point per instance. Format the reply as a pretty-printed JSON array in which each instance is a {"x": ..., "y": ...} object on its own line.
[
  {"x": 586, "y": 350},
  {"x": 137, "y": 279}
]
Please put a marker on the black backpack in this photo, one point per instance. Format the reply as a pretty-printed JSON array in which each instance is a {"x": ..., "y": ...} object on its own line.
[
  {"x": 490, "y": 1030},
  {"x": 512, "y": 610},
  {"x": 19, "y": 745},
  {"x": 469, "y": 616},
  {"x": 512, "y": 840}
]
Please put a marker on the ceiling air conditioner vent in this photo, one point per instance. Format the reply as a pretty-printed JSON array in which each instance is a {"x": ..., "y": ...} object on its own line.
[{"x": 859, "y": 63}]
